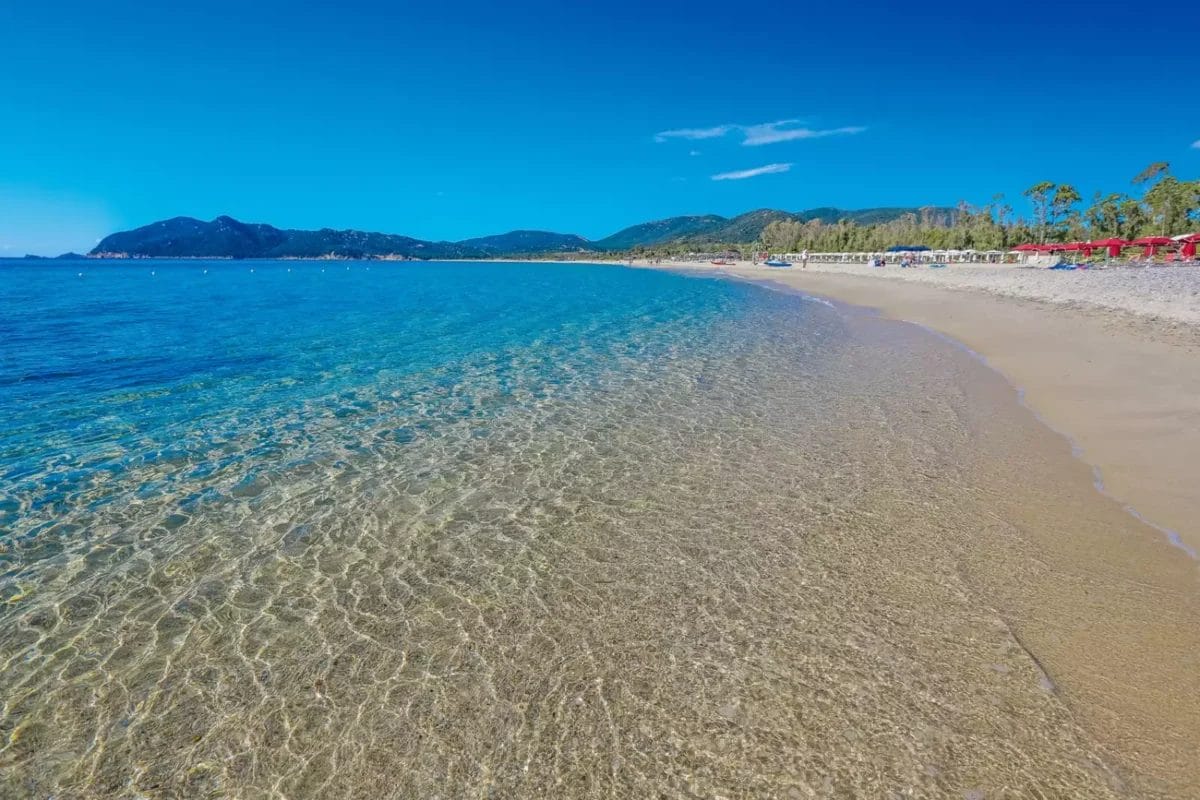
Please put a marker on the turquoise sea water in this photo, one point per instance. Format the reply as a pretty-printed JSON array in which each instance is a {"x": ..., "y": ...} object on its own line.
[
  {"x": 129, "y": 378},
  {"x": 332, "y": 529}
]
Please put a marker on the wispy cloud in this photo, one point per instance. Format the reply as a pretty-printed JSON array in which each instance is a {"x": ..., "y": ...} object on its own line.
[
  {"x": 742, "y": 174},
  {"x": 694, "y": 133},
  {"x": 783, "y": 130},
  {"x": 773, "y": 132},
  {"x": 1196, "y": 145},
  {"x": 693, "y": 152}
]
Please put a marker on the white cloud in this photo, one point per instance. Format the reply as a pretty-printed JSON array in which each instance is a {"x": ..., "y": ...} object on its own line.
[
  {"x": 762, "y": 130},
  {"x": 771, "y": 133},
  {"x": 694, "y": 133},
  {"x": 742, "y": 174},
  {"x": 783, "y": 130},
  {"x": 693, "y": 152},
  {"x": 1196, "y": 145}
]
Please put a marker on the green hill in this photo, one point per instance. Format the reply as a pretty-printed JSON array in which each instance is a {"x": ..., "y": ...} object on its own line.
[
  {"x": 660, "y": 232},
  {"x": 225, "y": 237},
  {"x": 516, "y": 242},
  {"x": 742, "y": 229}
]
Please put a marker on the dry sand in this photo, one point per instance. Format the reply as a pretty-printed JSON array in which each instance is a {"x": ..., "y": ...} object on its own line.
[
  {"x": 1168, "y": 294},
  {"x": 1108, "y": 358}
]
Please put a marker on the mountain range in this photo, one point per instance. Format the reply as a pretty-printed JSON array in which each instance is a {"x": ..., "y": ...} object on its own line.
[{"x": 225, "y": 237}]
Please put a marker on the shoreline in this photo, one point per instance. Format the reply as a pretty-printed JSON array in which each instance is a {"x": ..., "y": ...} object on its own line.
[
  {"x": 1104, "y": 608},
  {"x": 1121, "y": 388},
  {"x": 1104, "y": 358}
]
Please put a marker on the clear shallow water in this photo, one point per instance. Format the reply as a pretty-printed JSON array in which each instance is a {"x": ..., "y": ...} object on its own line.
[
  {"x": 187, "y": 373},
  {"x": 364, "y": 530}
]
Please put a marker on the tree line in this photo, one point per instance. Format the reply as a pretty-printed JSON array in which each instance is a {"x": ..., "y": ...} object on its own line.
[{"x": 1163, "y": 206}]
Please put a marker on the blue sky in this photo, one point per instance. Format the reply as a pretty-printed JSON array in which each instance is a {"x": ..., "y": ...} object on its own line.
[{"x": 450, "y": 120}]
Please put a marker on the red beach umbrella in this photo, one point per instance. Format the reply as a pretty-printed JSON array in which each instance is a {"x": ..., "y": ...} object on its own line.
[
  {"x": 1152, "y": 244},
  {"x": 1113, "y": 244},
  {"x": 1189, "y": 246}
]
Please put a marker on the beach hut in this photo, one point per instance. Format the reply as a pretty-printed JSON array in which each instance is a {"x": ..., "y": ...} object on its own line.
[
  {"x": 1025, "y": 250},
  {"x": 1034, "y": 253}
]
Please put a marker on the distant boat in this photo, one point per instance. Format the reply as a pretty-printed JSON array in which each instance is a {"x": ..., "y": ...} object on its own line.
[
  {"x": 778, "y": 262},
  {"x": 721, "y": 263}
]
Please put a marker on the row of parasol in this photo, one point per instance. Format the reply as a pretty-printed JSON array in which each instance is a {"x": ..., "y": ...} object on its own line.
[{"x": 1186, "y": 244}]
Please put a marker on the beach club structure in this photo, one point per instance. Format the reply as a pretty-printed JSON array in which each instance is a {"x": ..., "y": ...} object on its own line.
[
  {"x": 916, "y": 253},
  {"x": 1178, "y": 249}
]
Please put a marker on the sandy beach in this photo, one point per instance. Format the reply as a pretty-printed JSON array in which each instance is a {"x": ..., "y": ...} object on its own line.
[
  {"x": 1169, "y": 295},
  {"x": 1107, "y": 358}
]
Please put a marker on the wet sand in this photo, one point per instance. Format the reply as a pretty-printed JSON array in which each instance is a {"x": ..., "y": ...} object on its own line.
[
  {"x": 1124, "y": 388},
  {"x": 1106, "y": 607}
]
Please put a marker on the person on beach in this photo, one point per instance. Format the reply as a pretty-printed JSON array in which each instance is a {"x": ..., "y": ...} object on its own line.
[{"x": 804, "y": 259}]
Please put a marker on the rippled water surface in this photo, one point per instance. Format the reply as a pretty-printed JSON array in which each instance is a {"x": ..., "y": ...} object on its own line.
[{"x": 441, "y": 530}]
